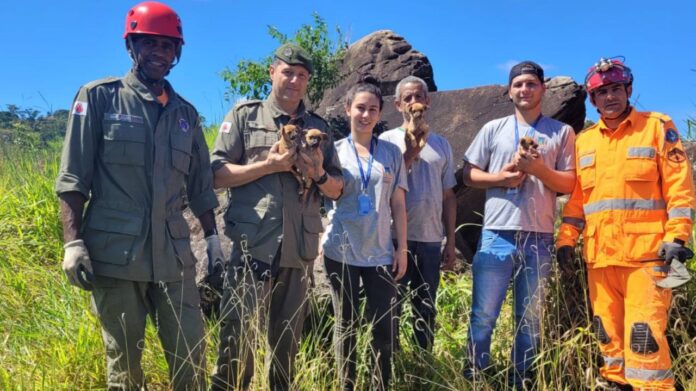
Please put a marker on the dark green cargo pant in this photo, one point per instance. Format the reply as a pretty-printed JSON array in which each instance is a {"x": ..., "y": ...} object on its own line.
[
  {"x": 122, "y": 307},
  {"x": 256, "y": 302}
]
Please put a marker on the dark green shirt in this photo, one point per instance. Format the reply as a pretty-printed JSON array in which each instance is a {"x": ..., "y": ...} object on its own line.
[
  {"x": 268, "y": 211},
  {"x": 139, "y": 164}
]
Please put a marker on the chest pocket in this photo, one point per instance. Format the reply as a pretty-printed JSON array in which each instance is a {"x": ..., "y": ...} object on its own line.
[
  {"x": 124, "y": 143},
  {"x": 258, "y": 139},
  {"x": 181, "y": 151},
  {"x": 587, "y": 170},
  {"x": 640, "y": 164}
]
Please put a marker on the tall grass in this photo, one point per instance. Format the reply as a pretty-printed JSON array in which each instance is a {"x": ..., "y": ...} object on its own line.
[{"x": 50, "y": 340}]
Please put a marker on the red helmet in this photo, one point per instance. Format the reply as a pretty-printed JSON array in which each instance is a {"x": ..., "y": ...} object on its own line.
[
  {"x": 151, "y": 17},
  {"x": 607, "y": 71}
]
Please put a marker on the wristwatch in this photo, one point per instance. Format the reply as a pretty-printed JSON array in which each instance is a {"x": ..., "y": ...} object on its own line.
[{"x": 322, "y": 179}]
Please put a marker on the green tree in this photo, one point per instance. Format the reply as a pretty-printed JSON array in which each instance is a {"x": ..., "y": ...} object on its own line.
[{"x": 250, "y": 78}]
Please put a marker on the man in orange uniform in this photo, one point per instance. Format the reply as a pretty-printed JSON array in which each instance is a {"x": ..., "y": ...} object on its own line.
[{"x": 634, "y": 204}]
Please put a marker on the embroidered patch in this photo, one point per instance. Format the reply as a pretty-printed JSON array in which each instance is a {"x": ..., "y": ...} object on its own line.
[
  {"x": 79, "y": 108},
  {"x": 676, "y": 155},
  {"x": 225, "y": 127},
  {"x": 671, "y": 136},
  {"x": 183, "y": 125}
]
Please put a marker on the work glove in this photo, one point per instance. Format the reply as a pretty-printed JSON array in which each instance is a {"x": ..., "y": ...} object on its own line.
[
  {"x": 211, "y": 287},
  {"x": 670, "y": 251},
  {"x": 77, "y": 265},
  {"x": 565, "y": 256},
  {"x": 216, "y": 260}
]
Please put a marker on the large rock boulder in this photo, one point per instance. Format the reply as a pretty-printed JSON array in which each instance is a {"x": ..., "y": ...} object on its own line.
[{"x": 384, "y": 55}]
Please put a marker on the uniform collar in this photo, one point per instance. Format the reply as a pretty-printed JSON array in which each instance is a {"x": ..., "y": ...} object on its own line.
[
  {"x": 276, "y": 111},
  {"x": 141, "y": 89},
  {"x": 628, "y": 121}
]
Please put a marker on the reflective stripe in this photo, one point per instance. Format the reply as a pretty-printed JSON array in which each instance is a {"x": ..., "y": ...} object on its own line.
[
  {"x": 623, "y": 204},
  {"x": 648, "y": 152},
  {"x": 648, "y": 374},
  {"x": 575, "y": 222},
  {"x": 681, "y": 212},
  {"x": 613, "y": 361},
  {"x": 586, "y": 161}
]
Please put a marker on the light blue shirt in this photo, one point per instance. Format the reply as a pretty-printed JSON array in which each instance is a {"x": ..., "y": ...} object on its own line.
[
  {"x": 429, "y": 175},
  {"x": 533, "y": 206},
  {"x": 364, "y": 240}
]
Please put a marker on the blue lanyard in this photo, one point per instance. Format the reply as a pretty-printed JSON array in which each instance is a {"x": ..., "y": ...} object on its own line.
[
  {"x": 364, "y": 179},
  {"x": 533, "y": 126}
]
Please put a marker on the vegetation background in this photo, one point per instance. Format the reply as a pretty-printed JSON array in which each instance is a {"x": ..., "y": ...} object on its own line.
[{"x": 49, "y": 339}]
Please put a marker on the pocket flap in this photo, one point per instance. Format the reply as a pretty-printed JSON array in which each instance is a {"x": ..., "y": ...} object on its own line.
[
  {"x": 181, "y": 143},
  {"x": 125, "y": 132},
  {"x": 312, "y": 223},
  {"x": 178, "y": 227},
  {"x": 113, "y": 220},
  {"x": 243, "y": 214},
  {"x": 643, "y": 227}
]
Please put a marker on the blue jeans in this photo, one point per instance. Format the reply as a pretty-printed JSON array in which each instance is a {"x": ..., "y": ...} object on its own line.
[
  {"x": 423, "y": 278},
  {"x": 524, "y": 258}
]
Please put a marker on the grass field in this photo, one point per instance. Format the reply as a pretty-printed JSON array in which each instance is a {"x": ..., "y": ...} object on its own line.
[{"x": 49, "y": 339}]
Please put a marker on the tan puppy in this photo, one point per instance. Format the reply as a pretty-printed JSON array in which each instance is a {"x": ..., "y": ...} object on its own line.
[
  {"x": 417, "y": 129},
  {"x": 290, "y": 139},
  {"x": 310, "y": 145},
  {"x": 528, "y": 147}
]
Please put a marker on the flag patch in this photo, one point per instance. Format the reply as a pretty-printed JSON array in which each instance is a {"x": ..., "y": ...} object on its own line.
[
  {"x": 79, "y": 108},
  {"x": 225, "y": 127}
]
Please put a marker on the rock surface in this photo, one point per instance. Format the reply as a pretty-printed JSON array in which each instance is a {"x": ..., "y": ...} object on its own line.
[{"x": 384, "y": 55}]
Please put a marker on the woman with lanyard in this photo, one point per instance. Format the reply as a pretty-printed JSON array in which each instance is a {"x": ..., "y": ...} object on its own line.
[{"x": 358, "y": 242}]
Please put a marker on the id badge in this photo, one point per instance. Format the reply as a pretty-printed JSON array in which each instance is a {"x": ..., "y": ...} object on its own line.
[{"x": 364, "y": 204}]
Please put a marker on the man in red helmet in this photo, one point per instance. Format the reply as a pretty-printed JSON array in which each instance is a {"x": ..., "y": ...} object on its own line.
[
  {"x": 636, "y": 214},
  {"x": 133, "y": 147}
]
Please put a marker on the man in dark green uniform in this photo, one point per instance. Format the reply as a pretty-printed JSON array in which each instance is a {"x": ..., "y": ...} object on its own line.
[
  {"x": 274, "y": 231},
  {"x": 135, "y": 150}
]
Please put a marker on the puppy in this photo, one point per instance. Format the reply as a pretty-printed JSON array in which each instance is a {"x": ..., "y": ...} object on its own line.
[
  {"x": 310, "y": 144},
  {"x": 416, "y": 130},
  {"x": 528, "y": 147},
  {"x": 290, "y": 139}
]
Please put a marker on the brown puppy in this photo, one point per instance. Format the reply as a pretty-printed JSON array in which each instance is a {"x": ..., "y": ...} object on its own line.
[
  {"x": 290, "y": 139},
  {"x": 310, "y": 145},
  {"x": 417, "y": 129},
  {"x": 528, "y": 147}
]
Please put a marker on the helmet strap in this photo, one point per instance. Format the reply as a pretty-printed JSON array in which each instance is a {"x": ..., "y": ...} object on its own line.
[{"x": 138, "y": 69}]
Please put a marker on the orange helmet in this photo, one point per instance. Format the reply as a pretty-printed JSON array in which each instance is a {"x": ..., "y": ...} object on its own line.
[
  {"x": 151, "y": 17},
  {"x": 607, "y": 71}
]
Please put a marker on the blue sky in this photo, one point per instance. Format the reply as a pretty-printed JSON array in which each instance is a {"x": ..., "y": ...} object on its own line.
[{"x": 50, "y": 48}]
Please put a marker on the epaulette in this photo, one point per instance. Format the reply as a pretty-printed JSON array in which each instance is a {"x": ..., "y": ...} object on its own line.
[
  {"x": 249, "y": 102},
  {"x": 184, "y": 100},
  {"x": 106, "y": 80},
  {"x": 664, "y": 118}
]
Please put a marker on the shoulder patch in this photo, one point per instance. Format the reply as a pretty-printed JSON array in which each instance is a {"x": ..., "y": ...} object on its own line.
[
  {"x": 79, "y": 108},
  {"x": 676, "y": 155},
  {"x": 671, "y": 136},
  {"x": 225, "y": 127}
]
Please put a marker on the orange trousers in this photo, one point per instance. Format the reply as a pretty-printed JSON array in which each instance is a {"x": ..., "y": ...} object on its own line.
[{"x": 630, "y": 319}]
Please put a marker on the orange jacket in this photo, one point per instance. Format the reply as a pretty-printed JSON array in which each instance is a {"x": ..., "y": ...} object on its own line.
[{"x": 633, "y": 190}]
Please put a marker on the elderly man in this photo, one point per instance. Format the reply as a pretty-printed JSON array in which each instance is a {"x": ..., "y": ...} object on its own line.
[
  {"x": 432, "y": 209},
  {"x": 274, "y": 230}
]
